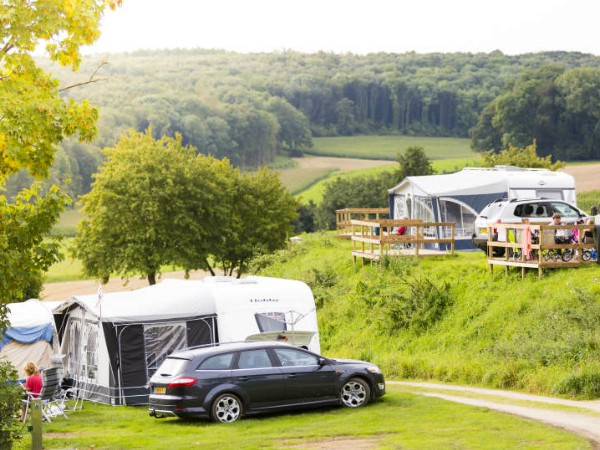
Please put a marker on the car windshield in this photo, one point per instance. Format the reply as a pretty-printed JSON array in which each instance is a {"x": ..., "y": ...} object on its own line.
[{"x": 566, "y": 211}]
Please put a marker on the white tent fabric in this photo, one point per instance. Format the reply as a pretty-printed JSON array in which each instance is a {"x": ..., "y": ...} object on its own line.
[{"x": 477, "y": 181}]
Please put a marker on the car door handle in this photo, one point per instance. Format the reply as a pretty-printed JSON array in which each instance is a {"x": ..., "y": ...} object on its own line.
[
  {"x": 292, "y": 375},
  {"x": 243, "y": 378}
]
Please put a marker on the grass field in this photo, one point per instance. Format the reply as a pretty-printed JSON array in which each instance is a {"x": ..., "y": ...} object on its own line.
[
  {"x": 398, "y": 420},
  {"x": 388, "y": 147}
]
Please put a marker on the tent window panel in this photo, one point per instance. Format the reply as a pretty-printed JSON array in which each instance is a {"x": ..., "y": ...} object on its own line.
[
  {"x": 273, "y": 321},
  {"x": 160, "y": 340},
  {"x": 91, "y": 350},
  {"x": 74, "y": 346},
  {"x": 463, "y": 218}
]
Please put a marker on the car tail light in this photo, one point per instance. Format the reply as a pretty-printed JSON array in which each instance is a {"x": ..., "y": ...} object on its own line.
[{"x": 181, "y": 382}]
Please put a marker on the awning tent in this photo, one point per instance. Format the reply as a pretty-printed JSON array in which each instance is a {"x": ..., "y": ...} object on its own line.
[
  {"x": 30, "y": 335},
  {"x": 459, "y": 197}
]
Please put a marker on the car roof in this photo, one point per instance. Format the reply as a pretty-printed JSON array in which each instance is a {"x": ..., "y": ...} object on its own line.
[{"x": 211, "y": 349}]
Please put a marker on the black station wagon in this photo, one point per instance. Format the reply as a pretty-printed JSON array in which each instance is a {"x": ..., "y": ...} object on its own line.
[{"x": 226, "y": 381}]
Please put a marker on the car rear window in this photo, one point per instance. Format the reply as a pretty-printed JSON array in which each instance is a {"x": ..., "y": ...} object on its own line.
[
  {"x": 172, "y": 366},
  {"x": 217, "y": 362}
]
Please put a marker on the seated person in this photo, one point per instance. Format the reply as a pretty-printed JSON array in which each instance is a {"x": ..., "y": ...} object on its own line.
[
  {"x": 560, "y": 236},
  {"x": 33, "y": 383}
]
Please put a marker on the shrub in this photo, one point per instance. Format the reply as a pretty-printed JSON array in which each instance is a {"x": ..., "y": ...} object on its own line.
[{"x": 10, "y": 400}]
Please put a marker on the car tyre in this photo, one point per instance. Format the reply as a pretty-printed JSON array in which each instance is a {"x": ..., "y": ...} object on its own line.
[
  {"x": 226, "y": 408},
  {"x": 355, "y": 393}
]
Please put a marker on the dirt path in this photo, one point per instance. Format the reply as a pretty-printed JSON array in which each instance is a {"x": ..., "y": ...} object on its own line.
[
  {"x": 585, "y": 421},
  {"x": 64, "y": 290},
  {"x": 587, "y": 176},
  {"x": 343, "y": 164}
]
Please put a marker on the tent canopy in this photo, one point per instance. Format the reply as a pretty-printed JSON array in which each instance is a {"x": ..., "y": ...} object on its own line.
[{"x": 478, "y": 181}]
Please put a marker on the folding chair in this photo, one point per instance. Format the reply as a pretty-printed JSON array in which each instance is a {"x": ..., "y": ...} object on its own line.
[{"x": 50, "y": 406}]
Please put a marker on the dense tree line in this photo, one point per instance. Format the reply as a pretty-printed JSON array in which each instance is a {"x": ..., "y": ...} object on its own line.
[
  {"x": 249, "y": 107},
  {"x": 557, "y": 108}
]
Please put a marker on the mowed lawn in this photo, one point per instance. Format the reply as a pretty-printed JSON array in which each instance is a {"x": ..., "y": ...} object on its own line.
[{"x": 398, "y": 420}]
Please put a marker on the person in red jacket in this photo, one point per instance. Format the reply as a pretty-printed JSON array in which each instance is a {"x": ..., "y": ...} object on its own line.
[{"x": 33, "y": 383}]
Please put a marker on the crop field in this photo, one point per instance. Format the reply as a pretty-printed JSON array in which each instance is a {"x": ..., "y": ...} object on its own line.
[{"x": 388, "y": 147}]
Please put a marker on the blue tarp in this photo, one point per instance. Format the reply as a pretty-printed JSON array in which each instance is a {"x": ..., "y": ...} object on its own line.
[{"x": 28, "y": 335}]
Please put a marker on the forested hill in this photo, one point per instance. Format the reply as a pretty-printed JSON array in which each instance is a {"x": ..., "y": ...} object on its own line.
[{"x": 248, "y": 107}]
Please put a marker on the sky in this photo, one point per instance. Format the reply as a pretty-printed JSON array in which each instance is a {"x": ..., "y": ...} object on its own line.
[{"x": 355, "y": 26}]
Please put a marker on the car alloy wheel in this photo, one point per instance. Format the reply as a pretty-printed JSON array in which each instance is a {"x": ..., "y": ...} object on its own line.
[
  {"x": 355, "y": 393},
  {"x": 226, "y": 408}
]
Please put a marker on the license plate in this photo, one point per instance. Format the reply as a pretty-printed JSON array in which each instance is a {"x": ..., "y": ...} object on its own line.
[{"x": 160, "y": 390}]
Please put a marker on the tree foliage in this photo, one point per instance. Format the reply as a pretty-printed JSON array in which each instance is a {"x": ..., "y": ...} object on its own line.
[
  {"x": 413, "y": 162},
  {"x": 34, "y": 118},
  {"x": 554, "y": 106},
  {"x": 249, "y": 107},
  {"x": 520, "y": 157},
  {"x": 155, "y": 202}
]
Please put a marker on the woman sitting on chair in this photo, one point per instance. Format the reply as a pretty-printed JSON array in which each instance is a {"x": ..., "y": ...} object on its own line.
[{"x": 33, "y": 383}]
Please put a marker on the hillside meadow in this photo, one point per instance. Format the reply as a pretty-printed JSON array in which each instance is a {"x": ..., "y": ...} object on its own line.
[{"x": 448, "y": 318}]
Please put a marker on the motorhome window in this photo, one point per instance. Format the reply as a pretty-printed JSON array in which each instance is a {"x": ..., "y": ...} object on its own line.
[
  {"x": 160, "y": 340},
  {"x": 217, "y": 362},
  {"x": 271, "y": 321},
  {"x": 290, "y": 357}
]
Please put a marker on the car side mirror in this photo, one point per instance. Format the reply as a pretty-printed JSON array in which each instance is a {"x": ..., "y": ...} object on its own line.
[{"x": 322, "y": 361}]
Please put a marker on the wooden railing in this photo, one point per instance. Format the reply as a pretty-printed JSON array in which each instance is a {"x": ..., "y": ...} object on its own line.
[
  {"x": 344, "y": 218},
  {"x": 372, "y": 239},
  {"x": 543, "y": 252}
]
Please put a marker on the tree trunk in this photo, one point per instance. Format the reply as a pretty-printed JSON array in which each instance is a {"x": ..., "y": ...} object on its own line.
[{"x": 152, "y": 278}]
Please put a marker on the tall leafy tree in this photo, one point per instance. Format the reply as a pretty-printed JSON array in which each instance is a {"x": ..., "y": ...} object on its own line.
[
  {"x": 153, "y": 202},
  {"x": 261, "y": 213},
  {"x": 520, "y": 157},
  {"x": 34, "y": 118}
]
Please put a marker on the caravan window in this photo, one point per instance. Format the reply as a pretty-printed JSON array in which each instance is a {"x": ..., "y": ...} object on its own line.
[
  {"x": 160, "y": 340},
  {"x": 272, "y": 321}
]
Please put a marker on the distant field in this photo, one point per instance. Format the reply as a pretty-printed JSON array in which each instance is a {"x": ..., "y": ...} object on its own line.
[
  {"x": 315, "y": 191},
  {"x": 388, "y": 147}
]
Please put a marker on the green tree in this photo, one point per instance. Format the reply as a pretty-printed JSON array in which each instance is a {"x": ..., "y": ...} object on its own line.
[
  {"x": 261, "y": 213},
  {"x": 34, "y": 118},
  {"x": 520, "y": 157},
  {"x": 413, "y": 162},
  {"x": 153, "y": 202}
]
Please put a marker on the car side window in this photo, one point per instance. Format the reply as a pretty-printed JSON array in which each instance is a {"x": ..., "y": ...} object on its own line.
[
  {"x": 217, "y": 362},
  {"x": 254, "y": 359},
  {"x": 291, "y": 357}
]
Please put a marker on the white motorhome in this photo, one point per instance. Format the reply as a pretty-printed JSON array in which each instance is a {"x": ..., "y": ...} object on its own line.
[{"x": 115, "y": 342}]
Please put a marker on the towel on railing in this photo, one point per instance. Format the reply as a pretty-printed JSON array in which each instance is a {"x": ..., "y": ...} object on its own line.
[{"x": 526, "y": 242}]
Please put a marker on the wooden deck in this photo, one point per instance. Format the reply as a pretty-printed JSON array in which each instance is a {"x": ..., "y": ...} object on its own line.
[
  {"x": 374, "y": 239},
  {"x": 545, "y": 254}
]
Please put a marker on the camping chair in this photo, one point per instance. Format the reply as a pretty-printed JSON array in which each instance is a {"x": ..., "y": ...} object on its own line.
[{"x": 50, "y": 407}]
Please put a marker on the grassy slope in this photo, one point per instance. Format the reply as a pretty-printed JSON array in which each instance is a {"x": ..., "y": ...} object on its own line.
[{"x": 539, "y": 335}]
